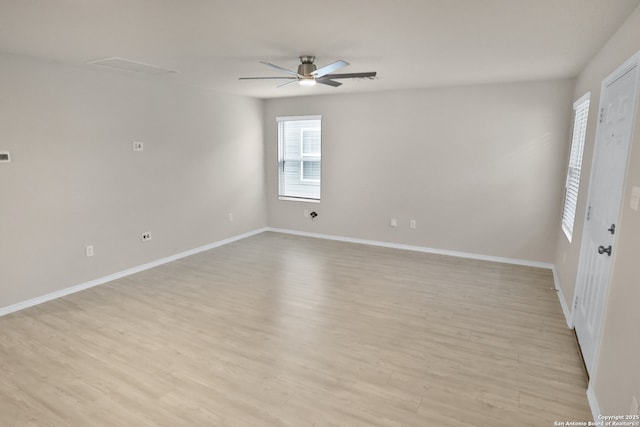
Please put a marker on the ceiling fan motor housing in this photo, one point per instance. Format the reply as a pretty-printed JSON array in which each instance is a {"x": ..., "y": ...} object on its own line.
[{"x": 306, "y": 66}]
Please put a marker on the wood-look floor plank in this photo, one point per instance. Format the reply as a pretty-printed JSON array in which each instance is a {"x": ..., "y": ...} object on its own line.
[{"x": 286, "y": 331}]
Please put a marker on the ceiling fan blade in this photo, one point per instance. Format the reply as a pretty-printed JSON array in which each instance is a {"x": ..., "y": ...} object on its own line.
[
  {"x": 368, "y": 75},
  {"x": 294, "y": 80},
  {"x": 326, "y": 81},
  {"x": 323, "y": 71},
  {"x": 267, "y": 78},
  {"x": 277, "y": 67}
]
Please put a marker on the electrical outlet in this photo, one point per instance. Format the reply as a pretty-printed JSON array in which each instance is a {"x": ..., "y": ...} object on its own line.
[
  {"x": 146, "y": 237},
  {"x": 412, "y": 224},
  {"x": 89, "y": 250},
  {"x": 230, "y": 216},
  {"x": 393, "y": 222},
  {"x": 138, "y": 146}
]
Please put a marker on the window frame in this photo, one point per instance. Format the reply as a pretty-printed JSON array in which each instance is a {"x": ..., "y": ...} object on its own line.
[
  {"x": 303, "y": 158},
  {"x": 574, "y": 167}
]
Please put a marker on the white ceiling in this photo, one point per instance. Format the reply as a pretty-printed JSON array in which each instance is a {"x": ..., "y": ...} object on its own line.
[{"x": 410, "y": 43}]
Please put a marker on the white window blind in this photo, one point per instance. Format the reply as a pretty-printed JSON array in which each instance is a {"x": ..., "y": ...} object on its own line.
[
  {"x": 581, "y": 109},
  {"x": 299, "y": 157}
]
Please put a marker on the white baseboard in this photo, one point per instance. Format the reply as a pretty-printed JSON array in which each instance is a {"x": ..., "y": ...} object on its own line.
[
  {"x": 563, "y": 303},
  {"x": 416, "y": 248},
  {"x": 593, "y": 403},
  {"x": 568, "y": 315},
  {"x": 48, "y": 297},
  {"x": 77, "y": 288}
]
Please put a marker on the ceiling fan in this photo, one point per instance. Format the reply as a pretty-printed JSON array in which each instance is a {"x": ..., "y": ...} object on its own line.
[{"x": 308, "y": 74}]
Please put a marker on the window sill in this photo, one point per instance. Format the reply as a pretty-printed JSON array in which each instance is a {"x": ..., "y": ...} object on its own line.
[{"x": 298, "y": 199}]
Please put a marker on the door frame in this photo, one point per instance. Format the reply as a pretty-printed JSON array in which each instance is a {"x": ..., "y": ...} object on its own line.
[{"x": 633, "y": 61}]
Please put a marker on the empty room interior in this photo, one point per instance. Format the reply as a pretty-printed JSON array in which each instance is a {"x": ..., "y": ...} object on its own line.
[{"x": 338, "y": 213}]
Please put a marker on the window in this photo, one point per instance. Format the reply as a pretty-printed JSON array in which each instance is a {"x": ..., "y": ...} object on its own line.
[
  {"x": 299, "y": 157},
  {"x": 581, "y": 109}
]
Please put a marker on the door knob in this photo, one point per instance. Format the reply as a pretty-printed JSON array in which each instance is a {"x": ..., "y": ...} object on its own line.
[
  {"x": 612, "y": 230},
  {"x": 602, "y": 250}
]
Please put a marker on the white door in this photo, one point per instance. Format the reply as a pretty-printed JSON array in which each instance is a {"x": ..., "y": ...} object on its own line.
[{"x": 613, "y": 138}]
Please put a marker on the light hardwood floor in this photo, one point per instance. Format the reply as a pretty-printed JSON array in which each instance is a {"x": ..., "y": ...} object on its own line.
[{"x": 280, "y": 330}]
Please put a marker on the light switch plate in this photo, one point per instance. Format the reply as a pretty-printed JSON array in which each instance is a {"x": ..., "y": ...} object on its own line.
[{"x": 635, "y": 198}]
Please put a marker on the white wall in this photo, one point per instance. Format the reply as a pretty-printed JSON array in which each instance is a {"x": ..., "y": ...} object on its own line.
[
  {"x": 617, "y": 374},
  {"x": 480, "y": 168},
  {"x": 74, "y": 179}
]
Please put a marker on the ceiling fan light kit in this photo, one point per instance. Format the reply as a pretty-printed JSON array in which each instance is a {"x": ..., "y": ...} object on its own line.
[
  {"x": 308, "y": 74},
  {"x": 307, "y": 82}
]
